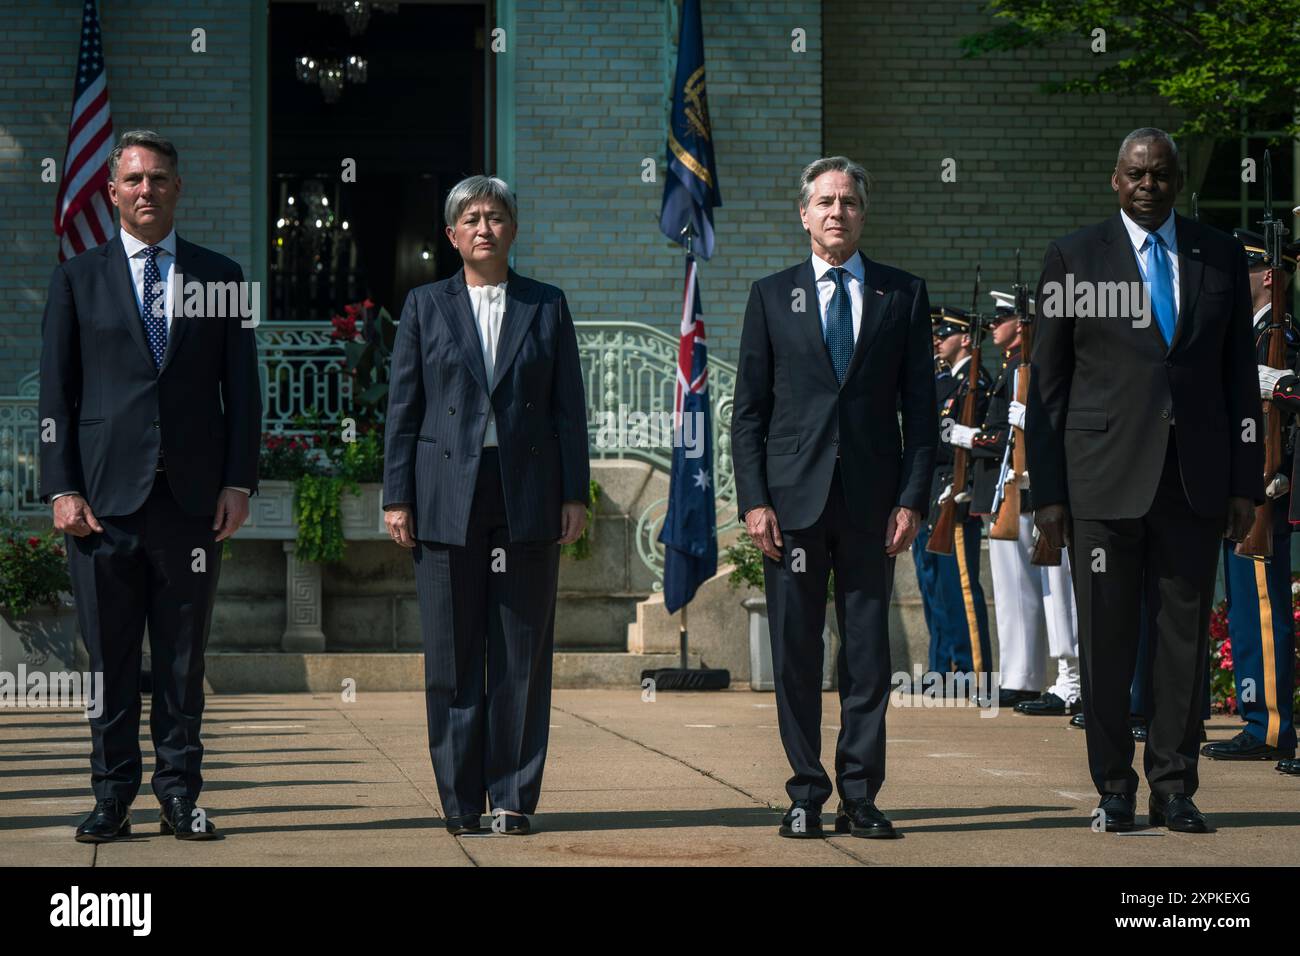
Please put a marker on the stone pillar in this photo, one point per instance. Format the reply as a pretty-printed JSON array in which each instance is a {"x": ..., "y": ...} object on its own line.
[{"x": 302, "y": 597}]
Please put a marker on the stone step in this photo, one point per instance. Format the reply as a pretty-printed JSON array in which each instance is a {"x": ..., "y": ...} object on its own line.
[{"x": 278, "y": 672}]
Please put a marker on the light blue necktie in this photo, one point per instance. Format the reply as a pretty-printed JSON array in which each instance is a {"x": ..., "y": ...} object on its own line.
[
  {"x": 839, "y": 326},
  {"x": 155, "y": 322},
  {"x": 1161, "y": 279}
]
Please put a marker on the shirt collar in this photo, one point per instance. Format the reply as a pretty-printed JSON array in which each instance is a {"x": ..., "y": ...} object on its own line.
[
  {"x": 853, "y": 265},
  {"x": 1138, "y": 236},
  {"x": 1260, "y": 314},
  {"x": 134, "y": 246},
  {"x": 961, "y": 364}
]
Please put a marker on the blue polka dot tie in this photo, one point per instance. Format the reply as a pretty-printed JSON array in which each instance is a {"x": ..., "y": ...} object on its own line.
[
  {"x": 153, "y": 313},
  {"x": 839, "y": 326}
]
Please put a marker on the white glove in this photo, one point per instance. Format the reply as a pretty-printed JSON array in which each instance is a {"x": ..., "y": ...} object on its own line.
[
  {"x": 945, "y": 494},
  {"x": 1279, "y": 486},
  {"x": 962, "y": 498},
  {"x": 1016, "y": 414},
  {"x": 961, "y": 435},
  {"x": 1268, "y": 379},
  {"x": 1022, "y": 480}
]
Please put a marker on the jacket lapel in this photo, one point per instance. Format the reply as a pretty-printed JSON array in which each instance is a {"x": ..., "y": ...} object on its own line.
[
  {"x": 1122, "y": 265},
  {"x": 123, "y": 295},
  {"x": 463, "y": 328},
  {"x": 810, "y": 322},
  {"x": 1190, "y": 269},
  {"x": 185, "y": 261},
  {"x": 875, "y": 293},
  {"x": 521, "y": 309}
]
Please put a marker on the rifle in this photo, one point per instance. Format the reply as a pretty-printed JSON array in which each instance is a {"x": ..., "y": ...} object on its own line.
[
  {"x": 1006, "y": 523},
  {"x": 1258, "y": 543},
  {"x": 942, "y": 538}
]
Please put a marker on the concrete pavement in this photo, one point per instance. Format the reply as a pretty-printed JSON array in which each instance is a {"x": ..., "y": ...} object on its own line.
[{"x": 689, "y": 779}]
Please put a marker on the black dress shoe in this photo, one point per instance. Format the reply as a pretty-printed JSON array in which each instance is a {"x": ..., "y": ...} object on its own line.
[
  {"x": 1244, "y": 746},
  {"x": 860, "y": 818},
  {"x": 1291, "y": 766},
  {"x": 1118, "y": 810},
  {"x": 802, "y": 821},
  {"x": 1077, "y": 720},
  {"x": 109, "y": 820},
  {"x": 1009, "y": 698},
  {"x": 1048, "y": 705},
  {"x": 1177, "y": 812},
  {"x": 466, "y": 823},
  {"x": 183, "y": 819},
  {"x": 515, "y": 824}
]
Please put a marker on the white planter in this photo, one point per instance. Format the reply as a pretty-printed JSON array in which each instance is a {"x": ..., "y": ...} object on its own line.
[
  {"x": 45, "y": 639},
  {"x": 761, "y": 676}
]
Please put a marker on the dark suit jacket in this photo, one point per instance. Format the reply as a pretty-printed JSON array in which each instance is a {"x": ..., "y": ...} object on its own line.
[
  {"x": 438, "y": 401},
  {"x": 113, "y": 412},
  {"x": 1103, "y": 393},
  {"x": 790, "y": 415}
]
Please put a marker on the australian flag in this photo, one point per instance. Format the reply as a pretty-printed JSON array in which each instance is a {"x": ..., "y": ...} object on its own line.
[
  {"x": 690, "y": 533},
  {"x": 691, "y": 186}
]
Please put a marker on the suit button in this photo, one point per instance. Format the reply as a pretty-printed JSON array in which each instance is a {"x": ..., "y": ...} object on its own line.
[
  {"x": 533, "y": 449},
  {"x": 835, "y": 441},
  {"x": 451, "y": 410},
  {"x": 155, "y": 424},
  {"x": 1168, "y": 364},
  {"x": 1164, "y": 413},
  {"x": 528, "y": 404},
  {"x": 446, "y": 454}
]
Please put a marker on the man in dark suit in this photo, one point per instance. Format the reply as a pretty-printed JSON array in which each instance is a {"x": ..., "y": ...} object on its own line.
[
  {"x": 486, "y": 474},
  {"x": 1145, "y": 449},
  {"x": 831, "y": 351},
  {"x": 154, "y": 416}
]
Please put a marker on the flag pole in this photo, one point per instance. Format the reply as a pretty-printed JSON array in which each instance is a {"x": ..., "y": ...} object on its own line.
[{"x": 688, "y": 234}]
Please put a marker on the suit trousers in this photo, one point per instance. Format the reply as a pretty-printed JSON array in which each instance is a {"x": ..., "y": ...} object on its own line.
[
  {"x": 487, "y": 613},
  {"x": 1171, "y": 553},
  {"x": 796, "y": 606},
  {"x": 143, "y": 568}
]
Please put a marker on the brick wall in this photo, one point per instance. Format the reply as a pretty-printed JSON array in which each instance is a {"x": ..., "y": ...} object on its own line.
[{"x": 1030, "y": 166}]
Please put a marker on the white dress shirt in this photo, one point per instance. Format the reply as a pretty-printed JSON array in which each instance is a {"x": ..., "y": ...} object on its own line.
[
  {"x": 488, "y": 303},
  {"x": 1138, "y": 236},
  {"x": 855, "y": 281}
]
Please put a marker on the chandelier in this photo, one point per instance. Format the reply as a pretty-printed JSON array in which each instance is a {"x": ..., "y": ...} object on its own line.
[
  {"x": 330, "y": 74},
  {"x": 356, "y": 13}
]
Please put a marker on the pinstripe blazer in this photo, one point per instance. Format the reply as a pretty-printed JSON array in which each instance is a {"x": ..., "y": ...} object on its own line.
[{"x": 438, "y": 401}]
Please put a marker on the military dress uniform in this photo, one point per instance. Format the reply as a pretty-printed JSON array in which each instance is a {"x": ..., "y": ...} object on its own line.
[
  {"x": 952, "y": 598},
  {"x": 1034, "y": 605},
  {"x": 1260, "y": 623}
]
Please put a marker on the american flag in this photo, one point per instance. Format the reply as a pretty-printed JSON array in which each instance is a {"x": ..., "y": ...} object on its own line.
[{"x": 82, "y": 217}]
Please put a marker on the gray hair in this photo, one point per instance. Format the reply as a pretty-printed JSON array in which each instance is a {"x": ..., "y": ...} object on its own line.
[
  {"x": 142, "y": 137},
  {"x": 829, "y": 164},
  {"x": 477, "y": 188},
  {"x": 1146, "y": 134}
]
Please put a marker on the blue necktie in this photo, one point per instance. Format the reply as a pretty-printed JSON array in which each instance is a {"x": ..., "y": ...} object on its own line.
[
  {"x": 839, "y": 326},
  {"x": 1161, "y": 279},
  {"x": 155, "y": 322}
]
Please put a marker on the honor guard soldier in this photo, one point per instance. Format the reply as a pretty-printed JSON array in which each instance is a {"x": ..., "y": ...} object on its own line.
[
  {"x": 1260, "y": 623},
  {"x": 951, "y": 595},
  {"x": 1034, "y": 604}
]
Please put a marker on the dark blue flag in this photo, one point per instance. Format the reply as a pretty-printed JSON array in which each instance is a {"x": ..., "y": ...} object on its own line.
[
  {"x": 691, "y": 186},
  {"x": 690, "y": 533}
]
